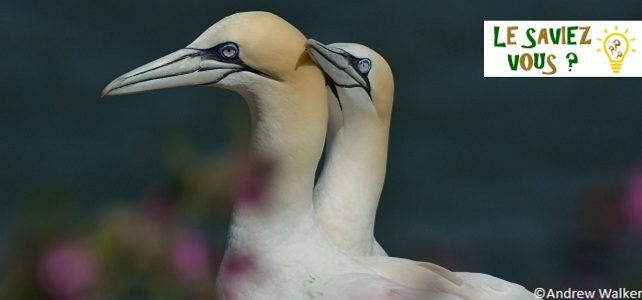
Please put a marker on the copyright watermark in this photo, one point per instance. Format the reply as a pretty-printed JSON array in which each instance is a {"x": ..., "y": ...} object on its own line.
[{"x": 621, "y": 293}]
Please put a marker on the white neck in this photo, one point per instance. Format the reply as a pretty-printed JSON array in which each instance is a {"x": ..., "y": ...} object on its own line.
[
  {"x": 288, "y": 128},
  {"x": 348, "y": 191}
]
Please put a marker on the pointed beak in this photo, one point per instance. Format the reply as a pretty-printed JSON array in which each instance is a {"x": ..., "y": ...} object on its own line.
[
  {"x": 324, "y": 55},
  {"x": 336, "y": 63},
  {"x": 184, "y": 67}
]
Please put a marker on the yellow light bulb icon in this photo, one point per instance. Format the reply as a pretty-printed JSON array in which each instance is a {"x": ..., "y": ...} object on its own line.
[{"x": 616, "y": 46}]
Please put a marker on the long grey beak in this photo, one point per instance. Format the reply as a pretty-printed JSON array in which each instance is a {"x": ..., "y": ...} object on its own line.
[
  {"x": 336, "y": 63},
  {"x": 182, "y": 68}
]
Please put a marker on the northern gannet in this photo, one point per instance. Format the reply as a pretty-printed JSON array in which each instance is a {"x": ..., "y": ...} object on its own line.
[
  {"x": 360, "y": 94},
  {"x": 261, "y": 57}
]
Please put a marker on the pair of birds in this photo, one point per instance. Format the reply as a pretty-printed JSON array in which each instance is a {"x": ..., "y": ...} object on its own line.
[{"x": 307, "y": 241}]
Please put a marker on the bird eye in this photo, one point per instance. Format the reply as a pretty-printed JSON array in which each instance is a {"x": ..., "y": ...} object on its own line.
[
  {"x": 364, "y": 65},
  {"x": 229, "y": 51}
]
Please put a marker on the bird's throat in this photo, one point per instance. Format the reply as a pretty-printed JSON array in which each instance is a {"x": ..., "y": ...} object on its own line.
[{"x": 288, "y": 129}]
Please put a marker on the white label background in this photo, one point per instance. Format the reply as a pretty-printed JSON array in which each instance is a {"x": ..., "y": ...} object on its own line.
[{"x": 591, "y": 63}]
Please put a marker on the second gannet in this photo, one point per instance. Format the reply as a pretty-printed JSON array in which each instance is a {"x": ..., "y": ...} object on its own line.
[
  {"x": 360, "y": 95},
  {"x": 360, "y": 84},
  {"x": 285, "y": 253}
]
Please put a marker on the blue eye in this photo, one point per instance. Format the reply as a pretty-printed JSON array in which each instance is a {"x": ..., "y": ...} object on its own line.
[
  {"x": 229, "y": 51},
  {"x": 364, "y": 65}
]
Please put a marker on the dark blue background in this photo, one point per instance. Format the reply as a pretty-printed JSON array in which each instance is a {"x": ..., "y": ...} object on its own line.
[{"x": 490, "y": 175}]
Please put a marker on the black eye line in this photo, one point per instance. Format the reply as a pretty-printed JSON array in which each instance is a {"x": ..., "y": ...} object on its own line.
[
  {"x": 213, "y": 53},
  {"x": 351, "y": 58},
  {"x": 355, "y": 64},
  {"x": 354, "y": 61}
]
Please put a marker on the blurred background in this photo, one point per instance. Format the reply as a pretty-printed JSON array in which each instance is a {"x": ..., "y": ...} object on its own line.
[{"x": 536, "y": 181}]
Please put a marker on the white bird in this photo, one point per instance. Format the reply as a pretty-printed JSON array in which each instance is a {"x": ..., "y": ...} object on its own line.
[
  {"x": 348, "y": 190},
  {"x": 360, "y": 98},
  {"x": 262, "y": 57}
]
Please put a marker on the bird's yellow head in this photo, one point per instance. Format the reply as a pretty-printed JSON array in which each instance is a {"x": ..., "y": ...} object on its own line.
[
  {"x": 240, "y": 52},
  {"x": 363, "y": 74}
]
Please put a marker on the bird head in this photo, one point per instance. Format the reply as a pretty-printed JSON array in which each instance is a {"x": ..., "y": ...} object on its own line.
[
  {"x": 241, "y": 52},
  {"x": 363, "y": 75}
]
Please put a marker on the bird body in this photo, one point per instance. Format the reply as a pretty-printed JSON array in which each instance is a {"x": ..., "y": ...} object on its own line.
[{"x": 277, "y": 249}]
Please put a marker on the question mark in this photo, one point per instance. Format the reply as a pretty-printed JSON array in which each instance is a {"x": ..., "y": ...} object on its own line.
[
  {"x": 572, "y": 59},
  {"x": 616, "y": 43}
]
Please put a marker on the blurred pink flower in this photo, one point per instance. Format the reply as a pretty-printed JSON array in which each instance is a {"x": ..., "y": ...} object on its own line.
[
  {"x": 68, "y": 270},
  {"x": 633, "y": 201},
  {"x": 236, "y": 267},
  {"x": 238, "y": 264},
  {"x": 190, "y": 257},
  {"x": 249, "y": 188}
]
